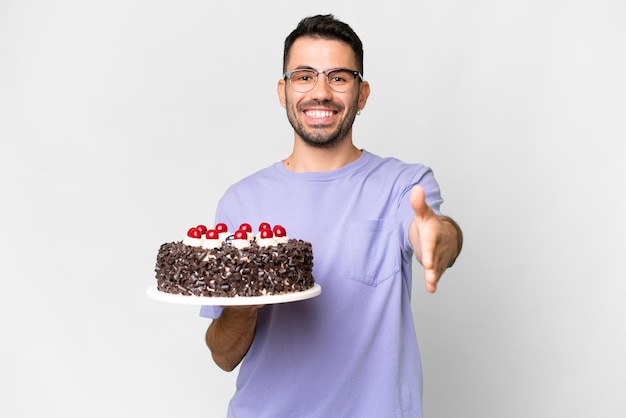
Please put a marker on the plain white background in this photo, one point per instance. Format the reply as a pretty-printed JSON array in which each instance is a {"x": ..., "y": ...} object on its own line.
[{"x": 123, "y": 122}]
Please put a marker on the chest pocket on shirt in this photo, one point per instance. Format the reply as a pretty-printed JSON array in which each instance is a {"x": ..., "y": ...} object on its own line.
[{"x": 374, "y": 251}]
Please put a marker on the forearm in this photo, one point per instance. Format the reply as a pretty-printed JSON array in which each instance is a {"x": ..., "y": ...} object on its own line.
[{"x": 230, "y": 336}]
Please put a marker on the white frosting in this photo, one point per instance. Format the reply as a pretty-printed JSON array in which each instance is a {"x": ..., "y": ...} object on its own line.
[
  {"x": 237, "y": 243},
  {"x": 266, "y": 242},
  {"x": 281, "y": 240},
  {"x": 240, "y": 243},
  {"x": 192, "y": 242},
  {"x": 210, "y": 244}
]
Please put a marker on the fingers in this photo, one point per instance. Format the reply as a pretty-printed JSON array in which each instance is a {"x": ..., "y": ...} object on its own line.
[
  {"x": 431, "y": 279},
  {"x": 431, "y": 272},
  {"x": 427, "y": 228}
]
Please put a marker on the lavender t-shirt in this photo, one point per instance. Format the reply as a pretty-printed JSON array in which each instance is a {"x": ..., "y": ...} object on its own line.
[{"x": 352, "y": 351}]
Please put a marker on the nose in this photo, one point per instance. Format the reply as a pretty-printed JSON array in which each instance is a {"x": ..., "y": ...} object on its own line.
[{"x": 321, "y": 90}]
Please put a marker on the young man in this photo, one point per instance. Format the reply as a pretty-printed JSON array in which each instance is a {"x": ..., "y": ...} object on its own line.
[{"x": 352, "y": 351}]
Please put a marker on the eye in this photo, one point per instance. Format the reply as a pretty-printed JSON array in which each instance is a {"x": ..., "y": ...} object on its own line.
[
  {"x": 302, "y": 77},
  {"x": 340, "y": 77}
]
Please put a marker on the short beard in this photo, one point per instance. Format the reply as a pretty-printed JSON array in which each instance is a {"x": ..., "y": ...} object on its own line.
[{"x": 318, "y": 139}]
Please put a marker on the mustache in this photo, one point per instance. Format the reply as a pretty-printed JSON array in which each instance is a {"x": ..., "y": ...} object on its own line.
[{"x": 326, "y": 104}]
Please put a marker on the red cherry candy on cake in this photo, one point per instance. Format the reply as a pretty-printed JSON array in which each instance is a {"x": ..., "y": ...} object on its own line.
[
  {"x": 194, "y": 233},
  {"x": 245, "y": 227},
  {"x": 279, "y": 231},
  {"x": 264, "y": 225},
  {"x": 221, "y": 227},
  {"x": 266, "y": 233},
  {"x": 202, "y": 229},
  {"x": 212, "y": 234},
  {"x": 240, "y": 234}
]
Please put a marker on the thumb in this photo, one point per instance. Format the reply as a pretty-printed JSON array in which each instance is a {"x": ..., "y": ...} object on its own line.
[
  {"x": 422, "y": 238},
  {"x": 418, "y": 202}
]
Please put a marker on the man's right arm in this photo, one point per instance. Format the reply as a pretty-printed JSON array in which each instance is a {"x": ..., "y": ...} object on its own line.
[{"x": 230, "y": 336}]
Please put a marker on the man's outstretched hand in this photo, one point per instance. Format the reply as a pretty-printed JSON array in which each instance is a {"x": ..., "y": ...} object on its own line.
[{"x": 436, "y": 240}]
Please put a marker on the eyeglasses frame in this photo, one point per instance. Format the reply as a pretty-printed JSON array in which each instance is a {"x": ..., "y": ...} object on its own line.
[{"x": 355, "y": 74}]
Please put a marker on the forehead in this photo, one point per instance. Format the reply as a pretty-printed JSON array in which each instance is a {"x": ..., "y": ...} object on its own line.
[{"x": 320, "y": 54}]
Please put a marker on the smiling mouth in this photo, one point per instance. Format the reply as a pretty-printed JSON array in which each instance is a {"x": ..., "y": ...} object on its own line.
[{"x": 320, "y": 114}]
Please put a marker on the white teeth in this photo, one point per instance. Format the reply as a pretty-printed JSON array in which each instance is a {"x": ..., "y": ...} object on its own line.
[{"x": 319, "y": 113}]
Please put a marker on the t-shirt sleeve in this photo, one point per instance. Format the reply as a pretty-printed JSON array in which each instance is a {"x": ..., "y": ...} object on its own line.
[{"x": 212, "y": 312}]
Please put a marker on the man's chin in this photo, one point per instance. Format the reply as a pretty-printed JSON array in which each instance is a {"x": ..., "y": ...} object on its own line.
[{"x": 321, "y": 142}]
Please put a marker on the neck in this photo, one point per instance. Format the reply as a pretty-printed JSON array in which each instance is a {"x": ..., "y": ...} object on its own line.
[{"x": 306, "y": 158}]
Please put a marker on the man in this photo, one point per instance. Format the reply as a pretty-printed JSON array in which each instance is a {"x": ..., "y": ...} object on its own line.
[{"x": 352, "y": 351}]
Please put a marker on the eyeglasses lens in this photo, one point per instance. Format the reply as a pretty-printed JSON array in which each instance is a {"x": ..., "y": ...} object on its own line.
[{"x": 304, "y": 80}]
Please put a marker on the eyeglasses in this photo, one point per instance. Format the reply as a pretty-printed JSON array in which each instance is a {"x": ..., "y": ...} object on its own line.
[{"x": 340, "y": 80}]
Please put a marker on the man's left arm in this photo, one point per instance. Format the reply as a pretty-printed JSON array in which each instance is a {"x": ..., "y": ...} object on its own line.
[{"x": 436, "y": 239}]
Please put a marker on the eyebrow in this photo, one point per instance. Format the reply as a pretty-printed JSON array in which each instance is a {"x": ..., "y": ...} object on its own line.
[{"x": 306, "y": 67}]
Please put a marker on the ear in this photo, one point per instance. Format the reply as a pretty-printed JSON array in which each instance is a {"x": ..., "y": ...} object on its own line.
[
  {"x": 364, "y": 92},
  {"x": 281, "y": 92}
]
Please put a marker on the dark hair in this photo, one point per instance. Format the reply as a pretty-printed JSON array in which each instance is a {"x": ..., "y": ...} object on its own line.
[{"x": 325, "y": 27}]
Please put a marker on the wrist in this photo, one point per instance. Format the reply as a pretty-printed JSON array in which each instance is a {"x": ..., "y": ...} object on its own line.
[
  {"x": 239, "y": 314},
  {"x": 458, "y": 233}
]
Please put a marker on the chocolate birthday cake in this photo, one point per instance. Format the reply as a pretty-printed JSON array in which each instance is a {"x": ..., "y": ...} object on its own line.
[{"x": 214, "y": 262}]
